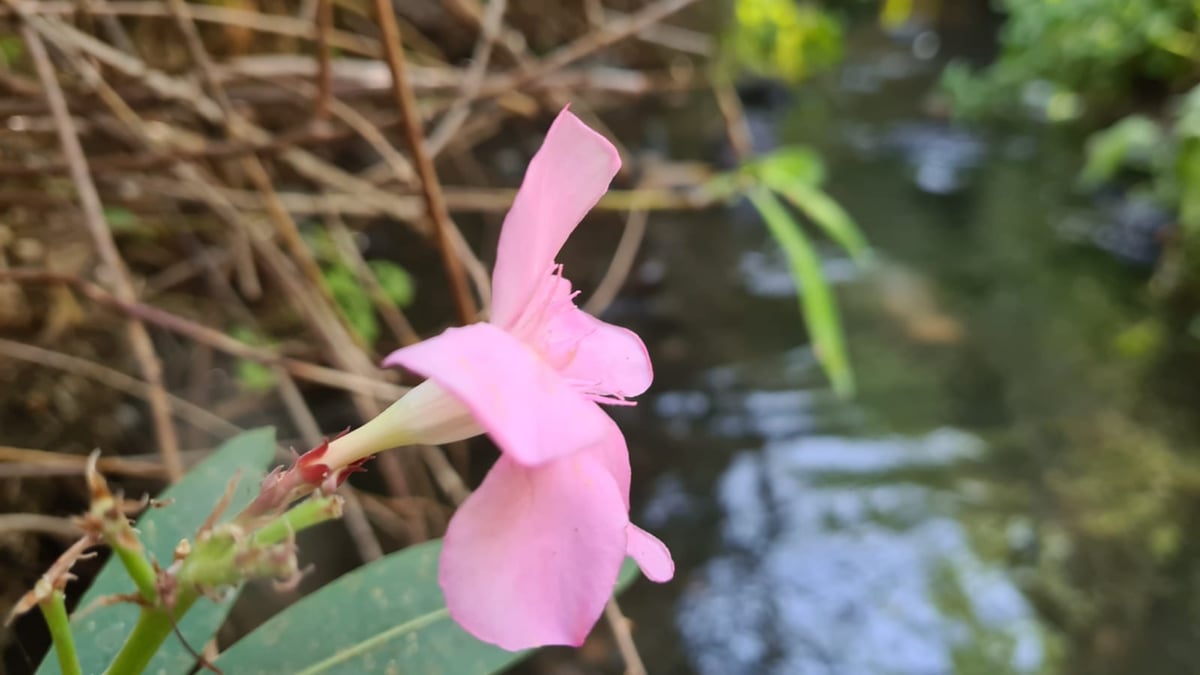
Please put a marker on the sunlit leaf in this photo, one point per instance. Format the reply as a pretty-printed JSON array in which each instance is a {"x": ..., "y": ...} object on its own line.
[
  {"x": 790, "y": 166},
  {"x": 1131, "y": 142},
  {"x": 816, "y": 299},
  {"x": 99, "y": 633},
  {"x": 784, "y": 38}
]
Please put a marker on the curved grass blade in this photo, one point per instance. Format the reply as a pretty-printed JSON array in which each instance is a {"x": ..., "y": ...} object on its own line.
[
  {"x": 100, "y": 633},
  {"x": 828, "y": 215},
  {"x": 816, "y": 300}
]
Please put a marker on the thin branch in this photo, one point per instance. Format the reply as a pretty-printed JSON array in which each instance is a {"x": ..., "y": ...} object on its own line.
[
  {"x": 434, "y": 201},
  {"x": 139, "y": 338},
  {"x": 337, "y": 379},
  {"x": 63, "y": 528},
  {"x": 621, "y": 264},
  {"x": 595, "y": 40},
  {"x": 624, "y": 636},
  {"x": 186, "y": 411},
  {"x": 489, "y": 29},
  {"x": 324, "y": 21}
]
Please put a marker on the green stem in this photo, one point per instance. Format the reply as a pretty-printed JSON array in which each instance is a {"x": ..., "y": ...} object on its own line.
[
  {"x": 307, "y": 513},
  {"x": 153, "y": 627},
  {"x": 138, "y": 568},
  {"x": 54, "y": 608}
]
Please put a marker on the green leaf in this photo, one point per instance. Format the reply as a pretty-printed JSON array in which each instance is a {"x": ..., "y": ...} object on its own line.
[
  {"x": 353, "y": 300},
  {"x": 816, "y": 300},
  {"x": 1134, "y": 141},
  {"x": 828, "y": 215},
  {"x": 386, "y": 617},
  {"x": 252, "y": 375},
  {"x": 396, "y": 282},
  {"x": 100, "y": 633},
  {"x": 789, "y": 166}
]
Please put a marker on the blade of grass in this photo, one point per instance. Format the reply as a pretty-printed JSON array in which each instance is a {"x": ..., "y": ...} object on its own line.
[
  {"x": 816, "y": 299},
  {"x": 828, "y": 215}
]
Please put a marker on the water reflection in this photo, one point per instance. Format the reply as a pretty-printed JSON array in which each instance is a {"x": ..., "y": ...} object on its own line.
[
  {"x": 1012, "y": 490},
  {"x": 830, "y": 566}
]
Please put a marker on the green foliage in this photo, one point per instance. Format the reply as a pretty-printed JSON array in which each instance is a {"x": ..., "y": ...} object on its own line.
[
  {"x": 12, "y": 48},
  {"x": 1134, "y": 142},
  {"x": 353, "y": 298},
  {"x": 783, "y": 38},
  {"x": 99, "y": 631},
  {"x": 1055, "y": 54},
  {"x": 385, "y": 617},
  {"x": 1163, "y": 158},
  {"x": 396, "y": 282},
  {"x": 252, "y": 375}
]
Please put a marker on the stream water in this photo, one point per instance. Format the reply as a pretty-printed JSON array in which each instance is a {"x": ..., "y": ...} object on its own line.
[{"x": 1012, "y": 488}]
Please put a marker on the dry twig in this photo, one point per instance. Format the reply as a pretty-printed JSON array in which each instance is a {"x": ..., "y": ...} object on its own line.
[
  {"x": 430, "y": 185},
  {"x": 139, "y": 338}
]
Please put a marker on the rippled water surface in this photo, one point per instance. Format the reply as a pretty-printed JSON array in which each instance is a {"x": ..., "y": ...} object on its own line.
[{"x": 1013, "y": 488}]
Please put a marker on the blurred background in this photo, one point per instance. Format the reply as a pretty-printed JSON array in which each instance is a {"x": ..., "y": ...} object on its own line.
[{"x": 919, "y": 280}]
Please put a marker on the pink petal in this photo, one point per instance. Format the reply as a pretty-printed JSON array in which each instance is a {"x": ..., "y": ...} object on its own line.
[
  {"x": 613, "y": 454},
  {"x": 650, "y": 554},
  {"x": 531, "y": 412},
  {"x": 600, "y": 357},
  {"x": 532, "y": 556},
  {"x": 565, "y": 179}
]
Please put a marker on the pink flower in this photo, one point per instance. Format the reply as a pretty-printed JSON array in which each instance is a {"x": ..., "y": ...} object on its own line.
[{"x": 532, "y": 556}]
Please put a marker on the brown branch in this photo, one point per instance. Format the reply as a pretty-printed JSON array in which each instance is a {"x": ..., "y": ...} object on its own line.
[
  {"x": 93, "y": 210},
  {"x": 624, "y": 637},
  {"x": 621, "y": 263},
  {"x": 435, "y": 202},
  {"x": 271, "y": 24},
  {"x": 324, "y": 71},
  {"x": 603, "y": 36},
  {"x": 489, "y": 29},
  {"x": 186, "y": 411},
  {"x": 56, "y": 526},
  {"x": 337, "y": 379}
]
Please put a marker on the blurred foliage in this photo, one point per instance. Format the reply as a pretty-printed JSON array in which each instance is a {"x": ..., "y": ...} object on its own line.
[
  {"x": 353, "y": 297},
  {"x": 1058, "y": 56},
  {"x": 783, "y": 39},
  {"x": 252, "y": 375},
  {"x": 1158, "y": 157}
]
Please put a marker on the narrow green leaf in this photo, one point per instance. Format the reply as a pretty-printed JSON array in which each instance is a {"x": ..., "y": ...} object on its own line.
[
  {"x": 100, "y": 633},
  {"x": 386, "y": 617},
  {"x": 816, "y": 300},
  {"x": 828, "y": 215},
  {"x": 789, "y": 165}
]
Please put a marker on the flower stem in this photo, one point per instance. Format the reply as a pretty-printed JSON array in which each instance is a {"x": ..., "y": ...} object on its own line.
[
  {"x": 152, "y": 628},
  {"x": 303, "y": 515},
  {"x": 137, "y": 567},
  {"x": 54, "y": 608}
]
